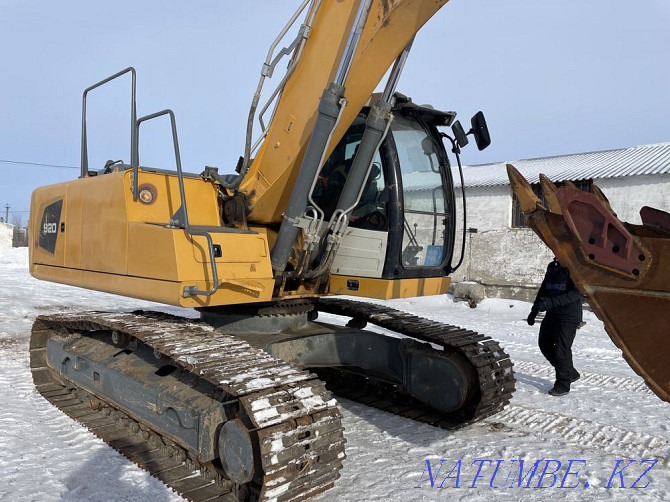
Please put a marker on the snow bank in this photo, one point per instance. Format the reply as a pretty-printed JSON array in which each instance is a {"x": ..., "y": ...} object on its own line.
[{"x": 6, "y": 236}]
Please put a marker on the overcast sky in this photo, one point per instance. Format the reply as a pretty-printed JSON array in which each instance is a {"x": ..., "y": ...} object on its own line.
[{"x": 552, "y": 76}]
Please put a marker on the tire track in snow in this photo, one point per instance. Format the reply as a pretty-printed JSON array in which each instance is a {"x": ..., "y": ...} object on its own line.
[
  {"x": 593, "y": 379},
  {"x": 585, "y": 433}
]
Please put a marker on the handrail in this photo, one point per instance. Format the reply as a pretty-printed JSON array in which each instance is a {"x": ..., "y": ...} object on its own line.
[
  {"x": 188, "y": 290},
  {"x": 271, "y": 61},
  {"x": 133, "y": 130}
]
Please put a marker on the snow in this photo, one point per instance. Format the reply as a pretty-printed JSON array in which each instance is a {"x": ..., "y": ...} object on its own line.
[
  {"x": 609, "y": 416},
  {"x": 6, "y": 236}
]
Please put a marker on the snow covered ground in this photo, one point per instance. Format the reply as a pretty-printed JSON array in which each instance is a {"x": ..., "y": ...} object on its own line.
[{"x": 609, "y": 416}]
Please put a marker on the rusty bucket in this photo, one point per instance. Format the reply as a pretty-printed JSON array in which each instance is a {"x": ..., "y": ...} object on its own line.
[{"x": 618, "y": 266}]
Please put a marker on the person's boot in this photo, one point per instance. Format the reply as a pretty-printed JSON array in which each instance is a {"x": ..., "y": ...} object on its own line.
[{"x": 554, "y": 391}]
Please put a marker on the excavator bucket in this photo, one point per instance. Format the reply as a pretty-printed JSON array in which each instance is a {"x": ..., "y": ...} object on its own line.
[{"x": 617, "y": 265}]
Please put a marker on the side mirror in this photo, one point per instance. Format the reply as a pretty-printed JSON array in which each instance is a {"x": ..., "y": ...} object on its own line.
[
  {"x": 480, "y": 130},
  {"x": 459, "y": 134}
]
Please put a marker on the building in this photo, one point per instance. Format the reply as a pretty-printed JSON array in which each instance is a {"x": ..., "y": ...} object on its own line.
[{"x": 508, "y": 258}]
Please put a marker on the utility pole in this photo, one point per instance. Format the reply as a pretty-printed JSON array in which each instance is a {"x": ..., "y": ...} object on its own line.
[{"x": 7, "y": 213}]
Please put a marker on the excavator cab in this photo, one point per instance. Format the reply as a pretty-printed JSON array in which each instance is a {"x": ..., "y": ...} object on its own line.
[{"x": 403, "y": 227}]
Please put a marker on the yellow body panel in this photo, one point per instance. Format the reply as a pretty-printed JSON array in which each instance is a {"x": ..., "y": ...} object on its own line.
[
  {"x": 386, "y": 289},
  {"x": 108, "y": 242},
  {"x": 390, "y": 27},
  {"x": 153, "y": 290}
]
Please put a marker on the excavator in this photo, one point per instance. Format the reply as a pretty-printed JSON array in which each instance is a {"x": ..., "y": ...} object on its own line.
[{"x": 340, "y": 191}]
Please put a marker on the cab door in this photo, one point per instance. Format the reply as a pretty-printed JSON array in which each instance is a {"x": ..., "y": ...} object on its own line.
[{"x": 422, "y": 222}]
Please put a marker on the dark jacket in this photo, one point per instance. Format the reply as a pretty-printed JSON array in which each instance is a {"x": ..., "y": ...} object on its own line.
[{"x": 559, "y": 296}]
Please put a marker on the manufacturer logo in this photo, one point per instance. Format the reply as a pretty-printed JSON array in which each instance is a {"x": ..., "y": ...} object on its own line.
[{"x": 49, "y": 226}]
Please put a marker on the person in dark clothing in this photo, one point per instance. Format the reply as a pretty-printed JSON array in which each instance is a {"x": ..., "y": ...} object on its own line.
[{"x": 562, "y": 301}]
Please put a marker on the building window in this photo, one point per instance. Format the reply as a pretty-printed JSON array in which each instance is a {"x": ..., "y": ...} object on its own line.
[{"x": 518, "y": 220}]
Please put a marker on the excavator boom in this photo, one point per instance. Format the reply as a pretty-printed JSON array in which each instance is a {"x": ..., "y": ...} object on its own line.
[{"x": 390, "y": 26}]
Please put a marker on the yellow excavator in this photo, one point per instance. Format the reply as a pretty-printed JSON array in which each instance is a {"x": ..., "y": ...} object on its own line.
[{"x": 339, "y": 190}]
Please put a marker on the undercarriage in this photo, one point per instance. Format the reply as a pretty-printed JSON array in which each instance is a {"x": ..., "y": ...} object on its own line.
[{"x": 230, "y": 407}]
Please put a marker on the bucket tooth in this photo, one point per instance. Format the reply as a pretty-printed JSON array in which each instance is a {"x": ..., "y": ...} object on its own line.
[
  {"x": 569, "y": 184},
  {"x": 549, "y": 190},
  {"x": 528, "y": 201},
  {"x": 657, "y": 219},
  {"x": 598, "y": 193}
]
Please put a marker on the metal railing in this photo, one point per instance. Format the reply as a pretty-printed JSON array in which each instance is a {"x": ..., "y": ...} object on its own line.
[
  {"x": 133, "y": 119},
  {"x": 180, "y": 219},
  {"x": 294, "y": 49}
]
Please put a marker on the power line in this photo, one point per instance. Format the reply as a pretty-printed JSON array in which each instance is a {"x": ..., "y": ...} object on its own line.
[{"x": 37, "y": 164}]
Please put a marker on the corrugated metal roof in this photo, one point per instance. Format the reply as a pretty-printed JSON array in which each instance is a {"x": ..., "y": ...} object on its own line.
[{"x": 634, "y": 161}]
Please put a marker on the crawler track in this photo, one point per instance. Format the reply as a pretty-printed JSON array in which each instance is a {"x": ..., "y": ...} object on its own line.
[
  {"x": 494, "y": 375},
  {"x": 297, "y": 426}
]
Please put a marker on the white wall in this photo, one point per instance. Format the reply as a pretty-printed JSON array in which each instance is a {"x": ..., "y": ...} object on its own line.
[
  {"x": 497, "y": 255},
  {"x": 6, "y": 235},
  {"x": 512, "y": 257},
  {"x": 627, "y": 195},
  {"x": 488, "y": 207}
]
